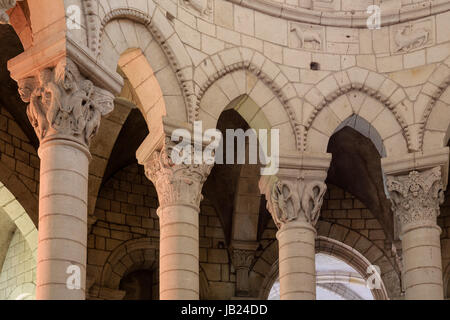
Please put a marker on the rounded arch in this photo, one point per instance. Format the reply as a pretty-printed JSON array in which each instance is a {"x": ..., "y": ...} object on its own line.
[
  {"x": 168, "y": 61},
  {"x": 241, "y": 72},
  {"x": 363, "y": 103},
  {"x": 35, "y": 21},
  {"x": 11, "y": 206},
  {"x": 130, "y": 256},
  {"x": 338, "y": 250}
]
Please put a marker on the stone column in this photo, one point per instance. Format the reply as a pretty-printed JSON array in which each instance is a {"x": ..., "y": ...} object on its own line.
[
  {"x": 243, "y": 254},
  {"x": 179, "y": 189},
  {"x": 65, "y": 110},
  {"x": 294, "y": 198},
  {"x": 415, "y": 201}
]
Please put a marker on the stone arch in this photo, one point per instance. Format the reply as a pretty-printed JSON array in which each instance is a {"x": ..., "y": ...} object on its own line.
[
  {"x": 389, "y": 125},
  {"x": 242, "y": 72},
  {"x": 336, "y": 249},
  {"x": 10, "y": 205},
  {"x": 166, "y": 55},
  {"x": 33, "y": 20},
  {"x": 129, "y": 256},
  {"x": 434, "y": 130},
  {"x": 325, "y": 101}
]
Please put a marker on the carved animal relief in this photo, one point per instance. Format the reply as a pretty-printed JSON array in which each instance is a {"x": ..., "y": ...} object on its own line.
[
  {"x": 202, "y": 8},
  {"x": 409, "y": 37},
  {"x": 62, "y": 102},
  {"x": 305, "y": 37}
]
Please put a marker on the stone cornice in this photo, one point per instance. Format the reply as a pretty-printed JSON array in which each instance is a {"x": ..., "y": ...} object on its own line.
[
  {"x": 341, "y": 18},
  {"x": 48, "y": 53}
]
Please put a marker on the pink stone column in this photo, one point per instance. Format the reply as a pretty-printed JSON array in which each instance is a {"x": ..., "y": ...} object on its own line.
[
  {"x": 416, "y": 198},
  {"x": 65, "y": 110},
  {"x": 294, "y": 199},
  {"x": 179, "y": 189},
  {"x": 62, "y": 218}
]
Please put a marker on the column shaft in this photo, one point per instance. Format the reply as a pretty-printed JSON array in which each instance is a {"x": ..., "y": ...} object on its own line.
[
  {"x": 422, "y": 263},
  {"x": 62, "y": 219},
  {"x": 179, "y": 253},
  {"x": 297, "y": 271}
]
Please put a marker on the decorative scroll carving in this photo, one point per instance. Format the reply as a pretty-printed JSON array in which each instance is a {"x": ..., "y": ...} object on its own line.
[
  {"x": 176, "y": 183},
  {"x": 295, "y": 200},
  {"x": 5, "y": 5},
  {"x": 417, "y": 196},
  {"x": 62, "y": 101}
]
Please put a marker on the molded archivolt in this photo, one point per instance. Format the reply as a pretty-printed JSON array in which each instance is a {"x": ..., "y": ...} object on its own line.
[
  {"x": 238, "y": 75},
  {"x": 149, "y": 30},
  {"x": 435, "y": 122},
  {"x": 130, "y": 256},
  {"x": 356, "y": 92}
]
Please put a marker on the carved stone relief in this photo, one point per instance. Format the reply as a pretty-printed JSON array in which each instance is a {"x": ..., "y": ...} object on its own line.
[
  {"x": 303, "y": 36},
  {"x": 201, "y": 8},
  {"x": 296, "y": 199},
  {"x": 176, "y": 183},
  {"x": 416, "y": 197},
  {"x": 412, "y": 36},
  {"x": 4, "y": 6},
  {"x": 62, "y": 101}
]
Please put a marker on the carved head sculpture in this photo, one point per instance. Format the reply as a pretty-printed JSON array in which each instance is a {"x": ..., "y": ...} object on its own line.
[
  {"x": 67, "y": 75},
  {"x": 26, "y": 87},
  {"x": 104, "y": 101},
  {"x": 45, "y": 77}
]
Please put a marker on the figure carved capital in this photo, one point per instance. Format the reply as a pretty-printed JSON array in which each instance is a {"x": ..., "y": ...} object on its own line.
[
  {"x": 63, "y": 102},
  {"x": 294, "y": 199},
  {"x": 416, "y": 197},
  {"x": 176, "y": 183},
  {"x": 5, "y": 5}
]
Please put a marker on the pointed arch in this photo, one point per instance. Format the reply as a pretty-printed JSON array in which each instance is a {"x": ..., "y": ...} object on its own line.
[
  {"x": 236, "y": 72},
  {"x": 434, "y": 131}
]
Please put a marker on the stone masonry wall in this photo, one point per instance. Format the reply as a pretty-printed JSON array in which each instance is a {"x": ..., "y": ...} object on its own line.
[
  {"x": 19, "y": 267},
  {"x": 126, "y": 209},
  {"x": 16, "y": 152}
]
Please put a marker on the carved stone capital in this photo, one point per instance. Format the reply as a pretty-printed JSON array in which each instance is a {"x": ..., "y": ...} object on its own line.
[
  {"x": 176, "y": 184},
  {"x": 63, "y": 102},
  {"x": 242, "y": 259},
  {"x": 5, "y": 5},
  {"x": 291, "y": 199},
  {"x": 416, "y": 197}
]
